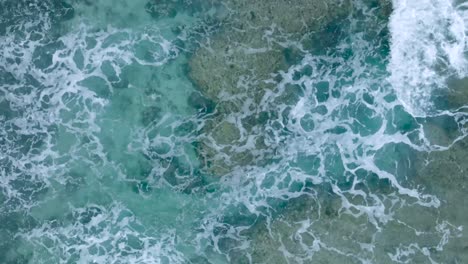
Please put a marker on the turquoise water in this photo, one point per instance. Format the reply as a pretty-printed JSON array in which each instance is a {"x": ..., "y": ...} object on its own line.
[{"x": 233, "y": 131}]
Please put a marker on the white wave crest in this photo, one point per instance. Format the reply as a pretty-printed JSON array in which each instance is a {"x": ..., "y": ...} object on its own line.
[{"x": 428, "y": 44}]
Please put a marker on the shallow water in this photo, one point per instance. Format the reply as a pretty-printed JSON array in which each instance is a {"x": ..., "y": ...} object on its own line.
[{"x": 233, "y": 131}]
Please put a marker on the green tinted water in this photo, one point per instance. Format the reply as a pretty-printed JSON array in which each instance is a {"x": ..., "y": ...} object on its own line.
[{"x": 220, "y": 132}]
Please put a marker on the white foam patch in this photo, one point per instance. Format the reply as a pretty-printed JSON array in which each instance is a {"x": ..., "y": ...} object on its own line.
[
  {"x": 257, "y": 189},
  {"x": 57, "y": 104},
  {"x": 428, "y": 44},
  {"x": 102, "y": 235},
  {"x": 60, "y": 98},
  {"x": 309, "y": 160}
]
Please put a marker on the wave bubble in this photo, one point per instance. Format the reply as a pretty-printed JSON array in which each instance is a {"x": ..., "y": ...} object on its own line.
[{"x": 428, "y": 45}]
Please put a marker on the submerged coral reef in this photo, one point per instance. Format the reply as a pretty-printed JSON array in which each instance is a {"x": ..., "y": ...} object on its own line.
[{"x": 237, "y": 68}]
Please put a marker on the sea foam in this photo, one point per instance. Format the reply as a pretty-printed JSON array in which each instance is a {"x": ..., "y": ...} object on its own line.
[{"x": 428, "y": 45}]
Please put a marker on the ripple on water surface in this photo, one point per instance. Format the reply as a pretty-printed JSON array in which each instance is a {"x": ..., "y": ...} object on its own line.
[{"x": 233, "y": 131}]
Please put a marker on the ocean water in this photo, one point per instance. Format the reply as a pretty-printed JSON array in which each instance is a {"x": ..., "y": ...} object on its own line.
[{"x": 233, "y": 131}]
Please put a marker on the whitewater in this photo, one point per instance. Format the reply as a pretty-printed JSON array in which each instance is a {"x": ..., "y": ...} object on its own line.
[{"x": 233, "y": 131}]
